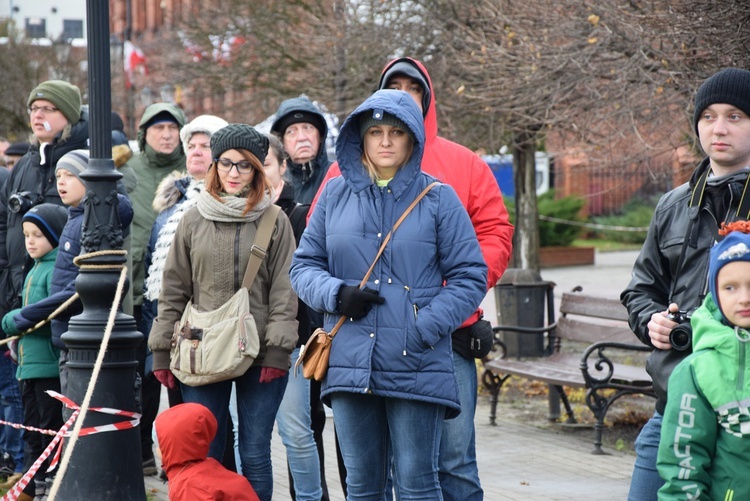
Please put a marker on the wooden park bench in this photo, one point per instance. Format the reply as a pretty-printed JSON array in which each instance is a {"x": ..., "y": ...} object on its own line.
[{"x": 599, "y": 328}]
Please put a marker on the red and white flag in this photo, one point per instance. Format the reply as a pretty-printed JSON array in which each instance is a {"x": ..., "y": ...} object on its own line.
[{"x": 133, "y": 59}]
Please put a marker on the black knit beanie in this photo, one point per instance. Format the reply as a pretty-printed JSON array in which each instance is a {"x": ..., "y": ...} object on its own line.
[
  {"x": 49, "y": 218},
  {"x": 728, "y": 86},
  {"x": 65, "y": 96},
  {"x": 239, "y": 137},
  {"x": 300, "y": 116},
  {"x": 379, "y": 117}
]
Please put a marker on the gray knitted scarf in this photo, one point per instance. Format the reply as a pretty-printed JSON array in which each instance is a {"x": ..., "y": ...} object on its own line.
[{"x": 230, "y": 208}]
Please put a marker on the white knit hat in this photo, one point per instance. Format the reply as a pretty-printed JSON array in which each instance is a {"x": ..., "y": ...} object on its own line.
[{"x": 204, "y": 124}]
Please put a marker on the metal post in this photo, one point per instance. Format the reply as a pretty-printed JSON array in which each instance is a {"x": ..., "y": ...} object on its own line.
[{"x": 103, "y": 465}]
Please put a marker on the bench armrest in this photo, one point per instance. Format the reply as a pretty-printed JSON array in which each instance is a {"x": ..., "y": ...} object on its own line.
[{"x": 602, "y": 361}]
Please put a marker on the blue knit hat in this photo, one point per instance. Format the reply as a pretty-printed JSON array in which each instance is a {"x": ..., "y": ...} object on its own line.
[
  {"x": 50, "y": 219},
  {"x": 734, "y": 247}
]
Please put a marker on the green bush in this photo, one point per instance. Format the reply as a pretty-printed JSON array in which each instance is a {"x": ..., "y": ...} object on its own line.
[
  {"x": 566, "y": 208},
  {"x": 635, "y": 214}
]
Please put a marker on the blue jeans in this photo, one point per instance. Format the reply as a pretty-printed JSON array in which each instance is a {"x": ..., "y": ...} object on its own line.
[
  {"x": 295, "y": 429},
  {"x": 371, "y": 429},
  {"x": 257, "y": 404},
  {"x": 459, "y": 473},
  {"x": 11, "y": 439},
  {"x": 646, "y": 481}
]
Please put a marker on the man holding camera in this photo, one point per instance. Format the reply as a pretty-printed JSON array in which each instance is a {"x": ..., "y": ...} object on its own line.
[
  {"x": 58, "y": 126},
  {"x": 670, "y": 275}
]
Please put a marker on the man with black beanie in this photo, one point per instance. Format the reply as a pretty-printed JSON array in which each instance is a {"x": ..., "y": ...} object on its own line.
[
  {"x": 302, "y": 129},
  {"x": 672, "y": 268}
]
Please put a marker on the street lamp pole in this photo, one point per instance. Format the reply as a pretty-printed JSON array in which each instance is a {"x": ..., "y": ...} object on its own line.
[{"x": 103, "y": 465}]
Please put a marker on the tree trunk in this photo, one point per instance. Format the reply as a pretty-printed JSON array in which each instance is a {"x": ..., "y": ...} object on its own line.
[
  {"x": 339, "y": 79},
  {"x": 526, "y": 235}
]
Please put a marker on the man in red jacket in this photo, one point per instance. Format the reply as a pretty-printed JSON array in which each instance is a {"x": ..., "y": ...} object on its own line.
[{"x": 479, "y": 193}]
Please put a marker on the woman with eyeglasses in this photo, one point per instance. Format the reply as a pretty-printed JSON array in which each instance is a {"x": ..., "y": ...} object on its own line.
[{"x": 206, "y": 264}]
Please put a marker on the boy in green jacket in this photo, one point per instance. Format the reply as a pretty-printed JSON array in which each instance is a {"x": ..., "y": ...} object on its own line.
[
  {"x": 37, "y": 357},
  {"x": 704, "y": 452}
]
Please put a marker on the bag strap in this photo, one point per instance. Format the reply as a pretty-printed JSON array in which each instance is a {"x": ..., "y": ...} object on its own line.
[
  {"x": 382, "y": 248},
  {"x": 260, "y": 244}
]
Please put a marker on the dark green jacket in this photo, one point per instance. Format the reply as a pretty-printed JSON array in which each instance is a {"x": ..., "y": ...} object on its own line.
[
  {"x": 37, "y": 357},
  {"x": 150, "y": 168}
]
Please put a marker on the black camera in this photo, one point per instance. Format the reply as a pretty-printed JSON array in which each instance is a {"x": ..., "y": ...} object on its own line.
[
  {"x": 23, "y": 201},
  {"x": 681, "y": 336}
]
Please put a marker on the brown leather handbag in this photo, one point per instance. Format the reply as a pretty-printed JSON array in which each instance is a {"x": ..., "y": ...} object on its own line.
[{"x": 314, "y": 355}]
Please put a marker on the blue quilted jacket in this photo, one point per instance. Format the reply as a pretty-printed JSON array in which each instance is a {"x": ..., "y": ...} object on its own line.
[{"x": 431, "y": 274}]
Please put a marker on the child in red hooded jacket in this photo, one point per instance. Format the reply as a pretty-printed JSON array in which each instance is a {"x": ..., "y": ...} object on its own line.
[{"x": 185, "y": 432}]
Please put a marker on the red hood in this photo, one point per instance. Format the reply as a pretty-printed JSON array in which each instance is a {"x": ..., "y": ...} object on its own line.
[
  {"x": 430, "y": 119},
  {"x": 184, "y": 432}
]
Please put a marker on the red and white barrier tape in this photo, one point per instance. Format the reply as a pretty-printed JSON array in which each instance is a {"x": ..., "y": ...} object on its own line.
[{"x": 135, "y": 419}]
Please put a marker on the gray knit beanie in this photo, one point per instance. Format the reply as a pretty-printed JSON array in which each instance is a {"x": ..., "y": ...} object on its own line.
[
  {"x": 728, "y": 86},
  {"x": 380, "y": 117},
  {"x": 66, "y": 96},
  {"x": 239, "y": 137},
  {"x": 75, "y": 162},
  {"x": 408, "y": 67}
]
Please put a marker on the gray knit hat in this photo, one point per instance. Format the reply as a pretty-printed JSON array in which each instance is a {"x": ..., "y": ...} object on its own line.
[
  {"x": 380, "y": 117},
  {"x": 75, "y": 162},
  {"x": 49, "y": 218},
  {"x": 66, "y": 96},
  {"x": 728, "y": 86},
  {"x": 408, "y": 67},
  {"x": 239, "y": 137}
]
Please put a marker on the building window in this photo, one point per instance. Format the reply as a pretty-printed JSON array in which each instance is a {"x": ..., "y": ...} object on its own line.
[
  {"x": 72, "y": 28},
  {"x": 36, "y": 27}
]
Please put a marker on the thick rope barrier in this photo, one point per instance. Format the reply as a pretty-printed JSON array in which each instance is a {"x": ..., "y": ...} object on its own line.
[
  {"x": 90, "y": 390},
  {"x": 44, "y": 322}
]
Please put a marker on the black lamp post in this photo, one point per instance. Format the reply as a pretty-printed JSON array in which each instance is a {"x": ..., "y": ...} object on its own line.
[{"x": 103, "y": 465}]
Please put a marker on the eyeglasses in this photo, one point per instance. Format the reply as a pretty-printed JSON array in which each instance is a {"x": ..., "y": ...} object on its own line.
[
  {"x": 46, "y": 110},
  {"x": 225, "y": 165},
  {"x": 293, "y": 130}
]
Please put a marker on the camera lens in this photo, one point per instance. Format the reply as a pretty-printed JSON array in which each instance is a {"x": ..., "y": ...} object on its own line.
[
  {"x": 681, "y": 337},
  {"x": 14, "y": 203}
]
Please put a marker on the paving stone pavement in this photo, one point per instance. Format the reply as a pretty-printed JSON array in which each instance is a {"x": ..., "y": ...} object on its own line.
[{"x": 517, "y": 461}]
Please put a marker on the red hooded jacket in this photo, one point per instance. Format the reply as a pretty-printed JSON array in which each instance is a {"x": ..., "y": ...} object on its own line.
[
  {"x": 473, "y": 181},
  {"x": 185, "y": 432}
]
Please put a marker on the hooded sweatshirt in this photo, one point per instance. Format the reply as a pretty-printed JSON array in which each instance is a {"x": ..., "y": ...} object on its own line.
[
  {"x": 185, "y": 433},
  {"x": 151, "y": 167},
  {"x": 473, "y": 181},
  {"x": 704, "y": 451}
]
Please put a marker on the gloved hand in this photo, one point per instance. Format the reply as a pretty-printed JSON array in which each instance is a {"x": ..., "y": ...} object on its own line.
[
  {"x": 13, "y": 350},
  {"x": 355, "y": 303},
  {"x": 268, "y": 374},
  {"x": 166, "y": 378}
]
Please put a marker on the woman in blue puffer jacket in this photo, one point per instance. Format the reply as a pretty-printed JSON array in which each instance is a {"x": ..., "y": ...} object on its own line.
[{"x": 390, "y": 380}]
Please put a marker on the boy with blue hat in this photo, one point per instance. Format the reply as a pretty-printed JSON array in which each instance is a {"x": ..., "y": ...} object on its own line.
[{"x": 704, "y": 451}]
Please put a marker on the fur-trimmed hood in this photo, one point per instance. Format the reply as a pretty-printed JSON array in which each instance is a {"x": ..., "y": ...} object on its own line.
[{"x": 170, "y": 190}]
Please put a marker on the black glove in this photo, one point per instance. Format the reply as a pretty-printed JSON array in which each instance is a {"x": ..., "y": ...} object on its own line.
[{"x": 355, "y": 303}]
